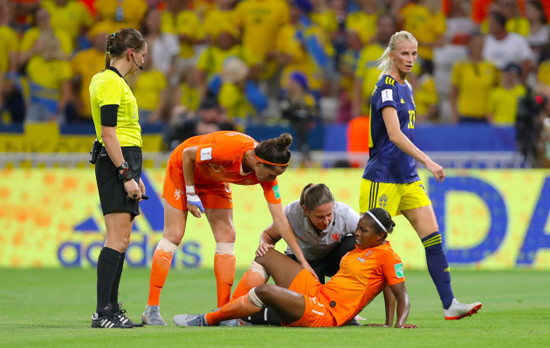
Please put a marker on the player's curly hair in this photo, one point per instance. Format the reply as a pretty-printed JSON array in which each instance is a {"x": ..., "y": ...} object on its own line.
[
  {"x": 314, "y": 195},
  {"x": 385, "y": 219},
  {"x": 122, "y": 40},
  {"x": 276, "y": 150}
]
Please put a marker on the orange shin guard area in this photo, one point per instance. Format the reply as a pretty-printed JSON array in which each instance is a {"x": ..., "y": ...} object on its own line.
[
  {"x": 249, "y": 280},
  {"x": 224, "y": 269},
  {"x": 162, "y": 260},
  {"x": 241, "y": 307}
]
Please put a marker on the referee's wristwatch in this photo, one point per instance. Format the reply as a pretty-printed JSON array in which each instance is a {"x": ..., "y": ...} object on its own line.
[{"x": 126, "y": 174}]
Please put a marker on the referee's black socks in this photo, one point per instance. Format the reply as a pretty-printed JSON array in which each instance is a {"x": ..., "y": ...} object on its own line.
[{"x": 107, "y": 267}]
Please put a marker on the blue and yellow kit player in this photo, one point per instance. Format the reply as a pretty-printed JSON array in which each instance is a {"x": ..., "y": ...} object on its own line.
[{"x": 391, "y": 177}]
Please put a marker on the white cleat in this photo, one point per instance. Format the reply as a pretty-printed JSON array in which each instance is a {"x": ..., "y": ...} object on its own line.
[
  {"x": 152, "y": 316},
  {"x": 190, "y": 320},
  {"x": 459, "y": 310}
]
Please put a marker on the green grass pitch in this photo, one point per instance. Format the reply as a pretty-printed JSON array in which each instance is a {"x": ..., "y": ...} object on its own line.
[{"x": 53, "y": 308}]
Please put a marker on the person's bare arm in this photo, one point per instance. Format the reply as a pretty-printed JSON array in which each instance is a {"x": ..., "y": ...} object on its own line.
[
  {"x": 403, "y": 306},
  {"x": 282, "y": 228},
  {"x": 389, "y": 114},
  {"x": 269, "y": 237},
  {"x": 194, "y": 205},
  {"x": 112, "y": 145}
]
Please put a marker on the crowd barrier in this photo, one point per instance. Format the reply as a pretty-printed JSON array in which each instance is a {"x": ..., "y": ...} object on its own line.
[{"x": 490, "y": 219}]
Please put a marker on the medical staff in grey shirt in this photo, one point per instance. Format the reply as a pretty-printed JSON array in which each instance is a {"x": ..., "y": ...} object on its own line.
[{"x": 325, "y": 231}]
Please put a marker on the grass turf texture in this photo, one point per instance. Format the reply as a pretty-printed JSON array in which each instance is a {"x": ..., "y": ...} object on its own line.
[{"x": 53, "y": 308}]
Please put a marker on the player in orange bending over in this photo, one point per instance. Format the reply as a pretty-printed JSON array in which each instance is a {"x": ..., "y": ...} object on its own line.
[
  {"x": 197, "y": 180},
  {"x": 300, "y": 300}
]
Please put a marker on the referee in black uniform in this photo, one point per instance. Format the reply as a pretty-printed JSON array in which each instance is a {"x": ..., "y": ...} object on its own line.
[{"x": 118, "y": 166}]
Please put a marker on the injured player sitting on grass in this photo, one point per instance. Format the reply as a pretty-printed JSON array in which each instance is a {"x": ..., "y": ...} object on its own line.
[{"x": 300, "y": 300}]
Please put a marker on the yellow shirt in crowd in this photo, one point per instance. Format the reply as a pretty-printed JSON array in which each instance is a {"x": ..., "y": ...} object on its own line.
[
  {"x": 212, "y": 58},
  {"x": 301, "y": 60},
  {"x": 33, "y": 34},
  {"x": 474, "y": 82},
  {"x": 503, "y": 104},
  {"x": 363, "y": 23},
  {"x": 368, "y": 72},
  {"x": 424, "y": 25},
  {"x": 9, "y": 42},
  {"x": 125, "y": 13},
  {"x": 48, "y": 75},
  {"x": 148, "y": 87},
  {"x": 215, "y": 19},
  {"x": 186, "y": 22},
  {"x": 69, "y": 18},
  {"x": 327, "y": 21},
  {"x": 260, "y": 21},
  {"x": 86, "y": 64}
]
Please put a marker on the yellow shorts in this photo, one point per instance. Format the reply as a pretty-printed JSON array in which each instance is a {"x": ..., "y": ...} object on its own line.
[{"x": 392, "y": 197}]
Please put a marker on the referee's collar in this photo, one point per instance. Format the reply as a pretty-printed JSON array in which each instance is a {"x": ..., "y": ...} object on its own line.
[{"x": 112, "y": 68}]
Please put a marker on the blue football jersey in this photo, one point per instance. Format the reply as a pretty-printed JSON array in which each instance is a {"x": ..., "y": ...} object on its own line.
[{"x": 387, "y": 163}]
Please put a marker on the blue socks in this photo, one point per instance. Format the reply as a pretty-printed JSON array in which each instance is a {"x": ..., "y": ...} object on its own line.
[{"x": 438, "y": 267}]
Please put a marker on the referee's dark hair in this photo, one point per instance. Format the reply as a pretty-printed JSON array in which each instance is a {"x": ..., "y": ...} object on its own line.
[{"x": 119, "y": 42}]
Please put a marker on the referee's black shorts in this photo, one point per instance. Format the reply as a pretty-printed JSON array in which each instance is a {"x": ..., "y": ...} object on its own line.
[{"x": 112, "y": 195}]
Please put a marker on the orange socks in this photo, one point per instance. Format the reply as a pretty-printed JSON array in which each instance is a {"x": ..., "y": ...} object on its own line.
[
  {"x": 238, "y": 308},
  {"x": 162, "y": 260},
  {"x": 250, "y": 280},
  {"x": 224, "y": 269}
]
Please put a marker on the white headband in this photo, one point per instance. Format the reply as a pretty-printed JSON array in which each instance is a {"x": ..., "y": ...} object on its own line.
[{"x": 377, "y": 221}]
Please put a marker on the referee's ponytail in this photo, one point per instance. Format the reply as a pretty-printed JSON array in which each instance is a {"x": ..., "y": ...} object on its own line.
[
  {"x": 122, "y": 40},
  {"x": 385, "y": 62}
]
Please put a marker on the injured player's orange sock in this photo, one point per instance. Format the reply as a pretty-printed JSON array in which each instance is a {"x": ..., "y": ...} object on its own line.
[
  {"x": 250, "y": 280},
  {"x": 162, "y": 260},
  {"x": 238, "y": 308},
  {"x": 224, "y": 269}
]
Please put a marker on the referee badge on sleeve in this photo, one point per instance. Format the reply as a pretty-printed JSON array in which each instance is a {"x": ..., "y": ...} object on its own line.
[
  {"x": 399, "y": 270},
  {"x": 387, "y": 95}
]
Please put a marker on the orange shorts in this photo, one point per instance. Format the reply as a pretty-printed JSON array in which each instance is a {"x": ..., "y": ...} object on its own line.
[
  {"x": 316, "y": 313},
  {"x": 213, "y": 195}
]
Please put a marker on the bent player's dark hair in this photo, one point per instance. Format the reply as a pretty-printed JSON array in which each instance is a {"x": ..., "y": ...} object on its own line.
[
  {"x": 275, "y": 150},
  {"x": 122, "y": 40},
  {"x": 314, "y": 195},
  {"x": 385, "y": 219}
]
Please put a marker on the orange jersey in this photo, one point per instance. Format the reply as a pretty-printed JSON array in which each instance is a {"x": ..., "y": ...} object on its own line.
[
  {"x": 363, "y": 274},
  {"x": 219, "y": 160}
]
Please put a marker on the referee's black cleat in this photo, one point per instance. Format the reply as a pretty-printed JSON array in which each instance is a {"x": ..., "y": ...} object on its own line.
[{"x": 108, "y": 318}]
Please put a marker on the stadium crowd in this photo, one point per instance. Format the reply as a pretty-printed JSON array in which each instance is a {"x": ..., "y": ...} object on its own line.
[{"x": 221, "y": 64}]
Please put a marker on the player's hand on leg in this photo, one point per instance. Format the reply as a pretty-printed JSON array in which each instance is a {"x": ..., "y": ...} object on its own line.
[
  {"x": 263, "y": 248},
  {"x": 306, "y": 265}
]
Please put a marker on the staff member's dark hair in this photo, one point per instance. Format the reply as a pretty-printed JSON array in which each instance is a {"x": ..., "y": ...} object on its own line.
[{"x": 314, "y": 195}]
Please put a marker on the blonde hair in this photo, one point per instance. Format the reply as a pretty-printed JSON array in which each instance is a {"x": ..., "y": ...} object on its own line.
[{"x": 384, "y": 62}]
